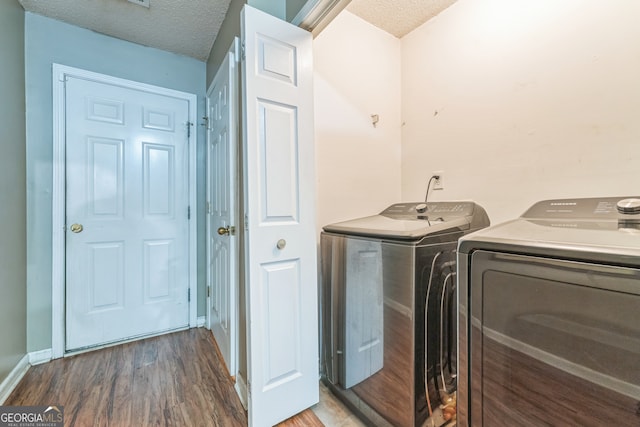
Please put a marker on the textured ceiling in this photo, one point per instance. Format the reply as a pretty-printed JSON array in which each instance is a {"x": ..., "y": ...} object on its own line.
[
  {"x": 398, "y": 17},
  {"x": 186, "y": 27},
  {"x": 189, "y": 27}
]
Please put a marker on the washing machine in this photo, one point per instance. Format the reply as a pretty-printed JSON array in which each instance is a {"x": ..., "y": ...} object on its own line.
[
  {"x": 388, "y": 309},
  {"x": 549, "y": 319}
]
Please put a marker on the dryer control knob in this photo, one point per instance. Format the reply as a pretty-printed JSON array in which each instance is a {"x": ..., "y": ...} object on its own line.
[
  {"x": 629, "y": 206},
  {"x": 421, "y": 207}
]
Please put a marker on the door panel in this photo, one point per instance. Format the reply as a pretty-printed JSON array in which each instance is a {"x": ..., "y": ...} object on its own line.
[
  {"x": 106, "y": 177},
  {"x": 127, "y": 269},
  {"x": 280, "y": 209},
  {"x": 106, "y": 276},
  {"x": 278, "y": 162},
  {"x": 157, "y": 281},
  {"x": 159, "y": 185},
  {"x": 222, "y": 183},
  {"x": 282, "y": 333}
]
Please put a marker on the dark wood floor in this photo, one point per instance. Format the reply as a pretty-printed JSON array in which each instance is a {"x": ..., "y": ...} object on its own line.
[{"x": 173, "y": 380}]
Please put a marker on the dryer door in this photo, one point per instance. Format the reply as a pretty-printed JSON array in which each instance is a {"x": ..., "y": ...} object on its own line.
[{"x": 553, "y": 342}]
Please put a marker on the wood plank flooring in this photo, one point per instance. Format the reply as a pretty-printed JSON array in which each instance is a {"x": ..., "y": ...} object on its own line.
[{"x": 177, "y": 379}]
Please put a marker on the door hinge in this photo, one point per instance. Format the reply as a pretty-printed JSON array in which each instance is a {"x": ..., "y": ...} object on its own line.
[
  {"x": 205, "y": 122},
  {"x": 189, "y": 295},
  {"x": 208, "y": 291},
  {"x": 189, "y": 124},
  {"x": 243, "y": 54},
  {"x": 246, "y": 221},
  {"x": 208, "y": 208},
  {"x": 188, "y": 212}
]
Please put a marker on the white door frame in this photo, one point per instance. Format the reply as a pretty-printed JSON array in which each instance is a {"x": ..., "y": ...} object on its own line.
[{"x": 60, "y": 74}]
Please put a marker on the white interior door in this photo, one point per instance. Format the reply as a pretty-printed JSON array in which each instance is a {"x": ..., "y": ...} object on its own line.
[
  {"x": 127, "y": 226},
  {"x": 280, "y": 199},
  {"x": 222, "y": 207}
]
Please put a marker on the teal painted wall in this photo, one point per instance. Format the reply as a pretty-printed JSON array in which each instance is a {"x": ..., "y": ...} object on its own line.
[
  {"x": 293, "y": 8},
  {"x": 230, "y": 29},
  {"x": 272, "y": 7},
  {"x": 13, "y": 251},
  {"x": 48, "y": 41}
]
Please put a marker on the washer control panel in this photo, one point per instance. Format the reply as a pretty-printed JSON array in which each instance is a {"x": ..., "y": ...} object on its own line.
[{"x": 432, "y": 210}]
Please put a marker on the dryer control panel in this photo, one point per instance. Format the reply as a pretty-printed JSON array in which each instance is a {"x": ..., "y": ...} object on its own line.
[
  {"x": 607, "y": 213},
  {"x": 607, "y": 208}
]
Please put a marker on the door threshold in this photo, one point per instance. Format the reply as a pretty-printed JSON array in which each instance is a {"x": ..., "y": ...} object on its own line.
[{"x": 82, "y": 350}]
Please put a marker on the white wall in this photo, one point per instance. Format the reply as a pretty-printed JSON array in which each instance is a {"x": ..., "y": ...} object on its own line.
[
  {"x": 519, "y": 101},
  {"x": 357, "y": 74}
]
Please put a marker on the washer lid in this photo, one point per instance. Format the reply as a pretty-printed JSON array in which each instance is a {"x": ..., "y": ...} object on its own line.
[{"x": 414, "y": 220}]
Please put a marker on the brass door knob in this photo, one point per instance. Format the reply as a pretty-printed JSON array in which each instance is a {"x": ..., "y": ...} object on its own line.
[
  {"x": 281, "y": 244},
  {"x": 76, "y": 228},
  {"x": 228, "y": 231}
]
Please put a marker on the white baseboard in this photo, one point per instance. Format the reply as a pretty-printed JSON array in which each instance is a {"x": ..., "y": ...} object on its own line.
[
  {"x": 14, "y": 377},
  {"x": 201, "y": 321},
  {"x": 41, "y": 356},
  {"x": 241, "y": 389}
]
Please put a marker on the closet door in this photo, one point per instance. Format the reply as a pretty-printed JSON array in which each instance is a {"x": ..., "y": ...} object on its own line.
[
  {"x": 281, "y": 245},
  {"x": 222, "y": 192}
]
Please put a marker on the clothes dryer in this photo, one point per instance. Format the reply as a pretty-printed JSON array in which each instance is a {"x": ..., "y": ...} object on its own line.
[{"x": 549, "y": 317}]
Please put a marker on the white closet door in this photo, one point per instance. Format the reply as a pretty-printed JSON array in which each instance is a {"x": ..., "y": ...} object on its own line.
[
  {"x": 280, "y": 207},
  {"x": 221, "y": 196}
]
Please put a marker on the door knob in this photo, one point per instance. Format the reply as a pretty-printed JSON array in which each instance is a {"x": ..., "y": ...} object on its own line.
[
  {"x": 281, "y": 244},
  {"x": 226, "y": 231},
  {"x": 76, "y": 228}
]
